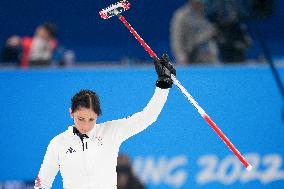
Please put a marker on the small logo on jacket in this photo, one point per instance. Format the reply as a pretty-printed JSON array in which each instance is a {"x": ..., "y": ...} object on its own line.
[
  {"x": 70, "y": 150},
  {"x": 99, "y": 140}
]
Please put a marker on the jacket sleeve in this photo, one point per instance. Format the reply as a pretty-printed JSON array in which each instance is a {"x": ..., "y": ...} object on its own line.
[
  {"x": 49, "y": 168},
  {"x": 127, "y": 127}
]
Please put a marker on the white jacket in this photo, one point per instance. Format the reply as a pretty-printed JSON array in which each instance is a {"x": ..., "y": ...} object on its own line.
[{"x": 95, "y": 166}]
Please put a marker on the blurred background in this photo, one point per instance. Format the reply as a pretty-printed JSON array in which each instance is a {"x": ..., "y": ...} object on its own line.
[{"x": 229, "y": 54}]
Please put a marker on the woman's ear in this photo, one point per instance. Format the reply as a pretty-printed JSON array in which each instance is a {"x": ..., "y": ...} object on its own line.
[{"x": 70, "y": 111}]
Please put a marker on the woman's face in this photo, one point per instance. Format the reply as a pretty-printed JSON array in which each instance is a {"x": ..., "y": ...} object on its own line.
[
  {"x": 42, "y": 33},
  {"x": 84, "y": 119}
]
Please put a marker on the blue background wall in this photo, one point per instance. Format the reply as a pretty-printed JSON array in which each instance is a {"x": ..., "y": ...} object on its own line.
[
  {"x": 178, "y": 151},
  {"x": 81, "y": 28}
]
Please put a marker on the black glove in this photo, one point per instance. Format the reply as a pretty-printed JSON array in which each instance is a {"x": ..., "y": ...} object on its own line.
[{"x": 164, "y": 70}]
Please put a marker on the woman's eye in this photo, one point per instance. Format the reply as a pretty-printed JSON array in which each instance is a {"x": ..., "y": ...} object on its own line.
[{"x": 80, "y": 119}]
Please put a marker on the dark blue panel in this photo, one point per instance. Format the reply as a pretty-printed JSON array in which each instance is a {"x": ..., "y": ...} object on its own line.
[{"x": 81, "y": 29}]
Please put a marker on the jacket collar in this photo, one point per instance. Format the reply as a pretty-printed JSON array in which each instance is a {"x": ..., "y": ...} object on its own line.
[
  {"x": 91, "y": 134},
  {"x": 79, "y": 134}
]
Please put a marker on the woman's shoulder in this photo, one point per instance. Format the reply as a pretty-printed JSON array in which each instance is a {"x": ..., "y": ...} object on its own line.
[{"x": 63, "y": 135}]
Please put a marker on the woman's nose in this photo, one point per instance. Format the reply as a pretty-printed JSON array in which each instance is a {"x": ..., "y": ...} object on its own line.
[{"x": 88, "y": 125}]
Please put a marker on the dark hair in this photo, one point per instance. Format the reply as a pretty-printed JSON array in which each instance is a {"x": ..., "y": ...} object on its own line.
[
  {"x": 51, "y": 29},
  {"x": 86, "y": 99}
]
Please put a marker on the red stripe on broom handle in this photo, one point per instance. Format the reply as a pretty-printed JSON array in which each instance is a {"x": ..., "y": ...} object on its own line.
[
  {"x": 137, "y": 36},
  {"x": 226, "y": 141},
  {"x": 211, "y": 123}
]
